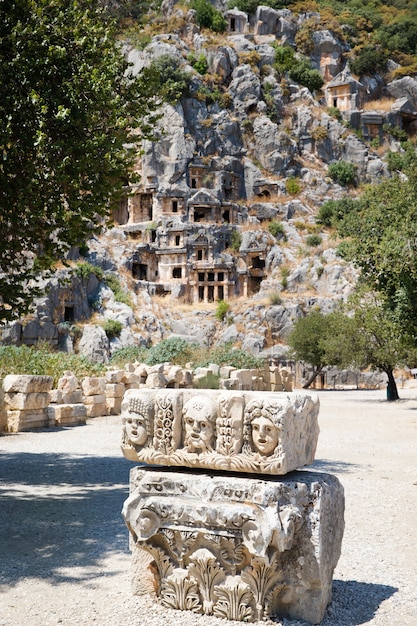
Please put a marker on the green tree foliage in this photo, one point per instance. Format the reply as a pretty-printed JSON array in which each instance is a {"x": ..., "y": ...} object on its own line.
[
  {"x": 307, "y": 341},
  {"x": 67, "y": 111},
  {"x": 332, "y": 211},
  {"x": 172, "y": 82},
  {"x": 343, "y": 172},
  {"x": 208, "y": 17},
  {"x": 367, "y": 337},
  {"x": 369, "y": 60},
  {"x": 174, "y": 350},
  {"x": 303, "y": 74},
  {"x": 381, "y": 235}
]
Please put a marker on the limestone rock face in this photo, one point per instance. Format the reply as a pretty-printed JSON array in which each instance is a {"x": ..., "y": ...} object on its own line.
[
  {"x": 237, "y": 548},
  {"x": 242, "y": 432}
]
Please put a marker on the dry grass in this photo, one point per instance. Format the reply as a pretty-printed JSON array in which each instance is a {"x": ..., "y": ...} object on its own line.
[{"x": 382, "y": 104}]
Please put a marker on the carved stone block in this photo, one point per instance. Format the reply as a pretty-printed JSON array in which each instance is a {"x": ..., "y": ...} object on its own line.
[
  {"x": 236, "y": 547},
  {"x": 256, "y": 432}
]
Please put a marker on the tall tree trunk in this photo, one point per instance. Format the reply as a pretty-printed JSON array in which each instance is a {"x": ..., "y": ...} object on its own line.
[
  {"x": 312, "y": 378},
  {"x": 392, "y": 391}
]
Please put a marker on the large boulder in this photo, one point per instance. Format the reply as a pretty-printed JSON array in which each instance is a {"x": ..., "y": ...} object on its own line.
[{"x": 94, "y": 344}]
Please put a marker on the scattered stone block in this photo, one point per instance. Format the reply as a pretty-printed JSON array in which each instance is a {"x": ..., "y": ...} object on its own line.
[
  {"x": 27, "y": 384},
  {"x": 114, "y": 406},
  {"x": 18, "y": 420},
  {"x": 67, "y": 414},
  {"x": 114, "y": 377},
  {"x": 96, "y": 410},
  {"x": 115, "y": 390},
  {"x": 93, "y": 386},
  {"x": 26, "y": 401}
]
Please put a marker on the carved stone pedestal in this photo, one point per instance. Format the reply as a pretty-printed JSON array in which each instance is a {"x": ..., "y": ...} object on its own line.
[
  {"x": 239, "y": 547},
  {"x": 231, "y": 528}
]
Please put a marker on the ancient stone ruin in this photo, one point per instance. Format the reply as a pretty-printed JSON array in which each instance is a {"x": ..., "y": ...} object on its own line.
[{"x": 230, "y": 529}]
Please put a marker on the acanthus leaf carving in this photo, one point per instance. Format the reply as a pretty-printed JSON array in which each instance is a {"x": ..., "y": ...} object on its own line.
[
  {"x": 162, "y": 562},
  {"x": 261, "y": 576},
  {"x": 178, "y": 591},
  {"x": 233, "y": 600},
  {"x": 206, "y": 571}
]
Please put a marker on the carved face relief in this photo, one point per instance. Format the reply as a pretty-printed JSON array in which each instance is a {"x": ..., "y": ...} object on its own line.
[
  {"x": 265, "y": 435},
  {"x": 198, "y": 422},
  {"x": 138, "y": 420},
  {"x": 135, "y": 427}
]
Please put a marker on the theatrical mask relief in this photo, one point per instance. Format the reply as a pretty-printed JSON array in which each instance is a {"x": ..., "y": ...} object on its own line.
[{"x": 272, "y": 433}]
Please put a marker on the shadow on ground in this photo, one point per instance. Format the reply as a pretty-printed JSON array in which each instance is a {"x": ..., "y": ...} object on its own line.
[
  {"x": 324, "y": 465},
  {"x": 60, "y": 515},
  {"x": 354, "y": 603}
]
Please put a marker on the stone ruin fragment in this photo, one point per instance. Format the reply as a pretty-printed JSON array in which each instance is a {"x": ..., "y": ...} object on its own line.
[{"x": 229, "y": 527}]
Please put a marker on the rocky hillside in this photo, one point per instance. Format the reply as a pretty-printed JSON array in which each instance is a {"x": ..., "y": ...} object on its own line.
[{"x": 257, "y": 132}]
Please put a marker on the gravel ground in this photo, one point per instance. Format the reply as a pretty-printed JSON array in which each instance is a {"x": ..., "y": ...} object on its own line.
[{"x": 64, "y": 556}]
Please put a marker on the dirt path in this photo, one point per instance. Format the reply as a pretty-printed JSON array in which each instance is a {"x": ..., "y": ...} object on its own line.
[{"x": 64, "y": 556}]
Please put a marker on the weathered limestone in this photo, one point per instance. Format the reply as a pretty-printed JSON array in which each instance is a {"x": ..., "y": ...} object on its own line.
[
  {"x": 67, "y": 408},
  {"x": 241, "y": 432},
  {"x": 241, "y": 547},
  {"x": 94, "y": 396},
  {"x": 26, "y": 399},
  {"x": 235, "y": 547}
]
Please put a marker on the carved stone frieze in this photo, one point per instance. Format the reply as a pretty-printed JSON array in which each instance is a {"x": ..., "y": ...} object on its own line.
[
  {"x": 237, "y": 547},
  {"x": 256, "y": 432}
]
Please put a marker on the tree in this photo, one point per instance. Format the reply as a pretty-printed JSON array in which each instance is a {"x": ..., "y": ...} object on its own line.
[
  {"x": 366, "y": 337},
  {"x": 70, "y": 118},
  {"x": 311, "y": 340},
  {"x": 380, "y": 239}
]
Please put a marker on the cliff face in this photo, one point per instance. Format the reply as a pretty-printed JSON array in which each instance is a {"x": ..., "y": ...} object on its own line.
[{"x": 229, "y": 192}]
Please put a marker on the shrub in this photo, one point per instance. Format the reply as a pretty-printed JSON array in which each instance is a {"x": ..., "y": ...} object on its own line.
[
  {"x": 222, "y": 310},
  {"x": 209, "y": 381},
  {"x": 172, "y": 82},
  {"x": 292, "y": 186},
  {"x": 283, "y": 58},
  {"x": 227, "y": 355},
  {"x": 277, "y": 230},
  {"x": 112, "y": 328},
  {"x": 235, "y": 240},
  {"x": 343, "y": 172},
  {"x": 85, "y": 269},
  {"x": 319, "y": 133},
  {"x": 120, "y": 295},
  {"x": 303, "y": 74},
  {"x": 42, "y": 360},
  {"x": 275, "y": 298},
  {"x": 333, "y": 210},
  {"x": 128, "y": 354},
  {"x": 334, "y": 112},
  {"x": 313, "y": 240},
  {"x": 368, "y": 61},
  {"x": 207, "y": 16},
  {"x": 200, "y": 64},
  {"x": 174, "y": 350}
]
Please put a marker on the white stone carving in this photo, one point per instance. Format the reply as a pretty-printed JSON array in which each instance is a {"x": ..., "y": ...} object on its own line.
[
  {"x": 236, "y": 547},
  {"x": 268, "y": 433}
]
